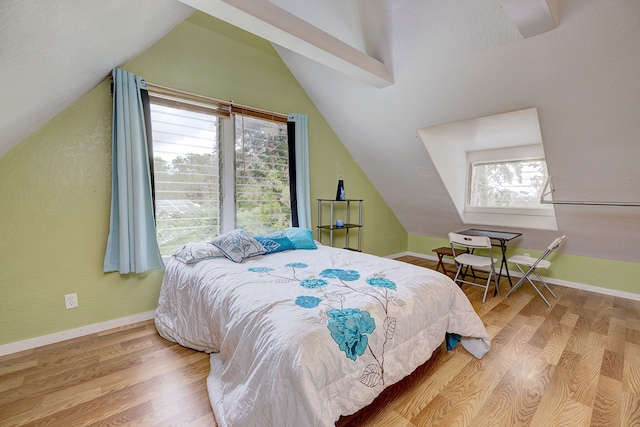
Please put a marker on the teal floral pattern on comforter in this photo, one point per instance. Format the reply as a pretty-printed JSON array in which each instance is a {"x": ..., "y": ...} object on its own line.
[{"x": 350, "y": 327}]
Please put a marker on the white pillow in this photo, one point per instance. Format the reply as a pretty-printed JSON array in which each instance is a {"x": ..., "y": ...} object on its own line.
[
  {"x": 238, "y": 245},
  {"x": 193, "y": 252}
]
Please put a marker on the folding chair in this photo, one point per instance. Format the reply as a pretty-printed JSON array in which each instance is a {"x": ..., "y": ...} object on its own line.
[
  {"x": 533, "y": 264},
  {"x": 462, "y": 247}
]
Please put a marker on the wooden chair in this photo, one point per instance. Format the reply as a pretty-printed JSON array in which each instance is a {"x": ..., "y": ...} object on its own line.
[{"x": 443, "y": 252}]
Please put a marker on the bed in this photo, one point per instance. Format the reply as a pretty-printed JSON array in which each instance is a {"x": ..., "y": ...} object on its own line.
[{"x": 301, "y": 337}]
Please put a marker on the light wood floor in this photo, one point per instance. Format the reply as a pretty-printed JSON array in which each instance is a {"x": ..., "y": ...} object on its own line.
[{"x": 574, "y": 364}]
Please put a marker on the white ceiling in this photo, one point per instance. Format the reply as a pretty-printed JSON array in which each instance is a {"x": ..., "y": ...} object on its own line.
[
  {"x": 446, "y": 62},
  {"x": 54, "y": 52}
]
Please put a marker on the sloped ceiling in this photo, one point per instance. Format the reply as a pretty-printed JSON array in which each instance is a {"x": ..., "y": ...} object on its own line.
[
  {"x": 54, "y": 52},
  {"x": 447, "y": 62}
]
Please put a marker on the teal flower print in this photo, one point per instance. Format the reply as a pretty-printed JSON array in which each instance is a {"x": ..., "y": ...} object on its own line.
[
  {"x": 348, "y": 328},
  {"x": 260, "y": 269},
  {"x": 307, "y": 301},
  {"x": 313, "y": 283},
  {"x": 381, "y": 282},
  {"x": 297, "y": 265},
  {"x": 344, "y": 275}
]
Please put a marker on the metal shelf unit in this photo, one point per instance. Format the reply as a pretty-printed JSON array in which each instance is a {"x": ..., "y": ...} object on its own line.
[{"x": 331, "y": 226}]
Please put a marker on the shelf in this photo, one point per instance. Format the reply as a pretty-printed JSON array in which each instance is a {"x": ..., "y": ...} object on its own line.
[
  {"x": 331, "y": 227},
  {"x": 335, "y": 227},
  {"x": 340, "y": 201}
]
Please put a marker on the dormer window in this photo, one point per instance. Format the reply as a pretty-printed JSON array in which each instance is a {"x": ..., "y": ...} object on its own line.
[
  {"x": 494, "y": 169},
  {"x": 513, "y": 184}
]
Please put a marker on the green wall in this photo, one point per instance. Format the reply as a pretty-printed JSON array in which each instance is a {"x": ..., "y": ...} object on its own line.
[
  {"x": 55, "y": 186},
  {"x": 603, "y": 273}
]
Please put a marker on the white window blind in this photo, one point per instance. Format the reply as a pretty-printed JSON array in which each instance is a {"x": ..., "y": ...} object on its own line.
[
  {"x": 186, "y": 171},
  {"x": 218, "y": 166},
  {"x": 263, "y": 202}
]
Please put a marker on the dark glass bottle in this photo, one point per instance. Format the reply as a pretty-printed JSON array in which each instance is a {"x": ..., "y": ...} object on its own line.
[{"x": 340, "y": 192}]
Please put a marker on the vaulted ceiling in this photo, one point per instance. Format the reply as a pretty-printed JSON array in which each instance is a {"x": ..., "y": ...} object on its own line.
[{"x": 380, "y": 70}]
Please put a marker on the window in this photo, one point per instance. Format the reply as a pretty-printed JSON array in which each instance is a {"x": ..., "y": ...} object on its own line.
[
  {"x": 504, "y": 187},
  {"x": 186, "y": 161},
  {"x": 481, "y": 162},
  {"x": 262, "y": 175},
  {"x": 513, "y": 184},
  {"x": 213, "y": 174}
]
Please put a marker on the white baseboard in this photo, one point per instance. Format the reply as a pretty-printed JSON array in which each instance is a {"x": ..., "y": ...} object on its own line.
[
  {"x": 550, "y": 280},
  {"x": 401, "y": 254},
  {"x": 30, "y": 343}
]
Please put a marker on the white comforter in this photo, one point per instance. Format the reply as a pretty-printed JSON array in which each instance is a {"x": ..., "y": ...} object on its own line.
[{"x": 299, "y": 338}]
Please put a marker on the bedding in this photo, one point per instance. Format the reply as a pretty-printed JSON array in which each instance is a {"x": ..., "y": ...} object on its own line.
[
  {"x": 302, "y": 337},
  {"x": 238, "y": 245},
  {"x": 193, "y": 252},
  {"x": 275, "y": 242},
  {"x": 302, "y": 238}
]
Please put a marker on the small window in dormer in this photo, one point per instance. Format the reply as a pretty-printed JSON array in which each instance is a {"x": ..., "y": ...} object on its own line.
[
  {"x": 512, "y": 184},
  {"x": 504, "y": 187},
  {"x": 494, "y": 168}
]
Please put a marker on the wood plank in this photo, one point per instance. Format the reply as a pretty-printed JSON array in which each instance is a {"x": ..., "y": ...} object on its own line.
[
  {"x": 575, "y": 414},
  {"x": 554, "y": 399},
  {"x": 612, "y": 365},
  {"x": 432, "y": 385},
  {"x": 504, "y": 406},
  {"x": 631, "y": 370},
  {"x": 630, "y": 410},
  {"x": 607, "y": 407}
]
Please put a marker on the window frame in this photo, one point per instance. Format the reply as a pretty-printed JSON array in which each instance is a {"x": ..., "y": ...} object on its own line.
[
  {"x": 227, "y": 113},
  {"x": 538, "y": 218}
]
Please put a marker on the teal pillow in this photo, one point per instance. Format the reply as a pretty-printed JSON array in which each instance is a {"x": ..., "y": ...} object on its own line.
[
  {"x": 302, "y": 238},
  {"x": 238, "y": 245},
  {"x": 274, "y": 242}
]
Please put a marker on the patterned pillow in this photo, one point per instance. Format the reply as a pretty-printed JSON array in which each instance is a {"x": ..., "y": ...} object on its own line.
[
  {"x": 238, "y": 245},
  {"x": 193, "y": 252},
  {"x": 302, "y": 238},
  {"x": 275, "y": 242}
]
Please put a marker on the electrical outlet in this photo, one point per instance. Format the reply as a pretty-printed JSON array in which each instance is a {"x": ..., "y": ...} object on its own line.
[
  {"x": 71, "y": 300},
  {"x": 526, "y": 254}
]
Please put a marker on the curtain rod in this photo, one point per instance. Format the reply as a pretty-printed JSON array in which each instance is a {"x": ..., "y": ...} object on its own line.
[
  {"x": 235, "y": 106},
  {"x": 549, "y": 185}
]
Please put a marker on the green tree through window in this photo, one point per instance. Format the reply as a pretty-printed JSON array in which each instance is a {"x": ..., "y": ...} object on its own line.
[
  {"x": 262, "y": 176},
  {"x": 188, "y": 175}
]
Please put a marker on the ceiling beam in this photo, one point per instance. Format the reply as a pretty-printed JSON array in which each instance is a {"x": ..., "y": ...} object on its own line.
[{"x": 275, "y": 24}]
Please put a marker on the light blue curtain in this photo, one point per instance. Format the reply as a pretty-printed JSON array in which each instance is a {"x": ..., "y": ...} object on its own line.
[
  {"x": 132, "y": 245},
  {"x": 302, "y": 168}
]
